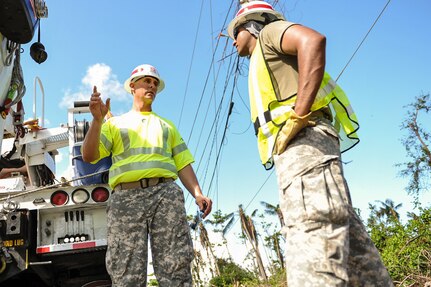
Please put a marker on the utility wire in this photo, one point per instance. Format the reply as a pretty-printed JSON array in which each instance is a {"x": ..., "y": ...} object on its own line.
[
  {"x": 191, "y": 64},
  {"x": 205, "y": 86},
  {"x": 206, "y": 82},
  {"x": 363, "y": 40},
  {"x": 251, "y": 200},
  {"x": 217, "y": 110},
  {"x": 213, "y": 127},
  {"x": 231, "y": 104}
]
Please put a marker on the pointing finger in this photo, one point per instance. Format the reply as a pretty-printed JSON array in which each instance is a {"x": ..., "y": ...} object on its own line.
[{"x": 95, "y": 92}]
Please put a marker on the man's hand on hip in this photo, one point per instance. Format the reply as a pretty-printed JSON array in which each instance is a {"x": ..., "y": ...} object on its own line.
[{"x": 290, "y": 129}]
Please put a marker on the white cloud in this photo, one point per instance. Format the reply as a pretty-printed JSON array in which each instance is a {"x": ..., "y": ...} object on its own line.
[
  {"x": 59, "y": 157},
  {"x": 101, "y": 76}
]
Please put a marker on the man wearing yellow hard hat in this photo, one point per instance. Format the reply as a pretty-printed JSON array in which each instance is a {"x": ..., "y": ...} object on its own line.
[
  {"x": 148, "y": 155},
  {"x": 300, "y": 117}
]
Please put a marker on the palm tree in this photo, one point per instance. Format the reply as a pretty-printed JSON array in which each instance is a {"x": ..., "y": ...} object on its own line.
[
  {"x": 276, "y": 244},
  {"x": 389, "y": 209},
  {"x": 273, "y": 210},
  {"x": 249, "y": 231},
  {"x": 206, "y": 243},
  {"x": 412, "y": 215},
  {"x": 196, "y": 264},
  {"x": 219, "y": 220}
]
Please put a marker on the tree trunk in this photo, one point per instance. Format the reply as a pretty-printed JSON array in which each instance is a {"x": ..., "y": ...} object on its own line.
[{"x": 278, "y": 251}]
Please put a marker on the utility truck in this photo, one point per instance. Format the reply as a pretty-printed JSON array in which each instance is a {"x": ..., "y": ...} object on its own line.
[{"x": 52, "y": 228}]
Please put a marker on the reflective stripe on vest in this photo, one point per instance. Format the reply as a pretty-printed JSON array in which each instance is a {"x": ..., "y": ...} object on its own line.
[
  {"x": 105, "y": 142},
  {"x": 268, "y": 114},
  {"x": 124, "y": 161}
]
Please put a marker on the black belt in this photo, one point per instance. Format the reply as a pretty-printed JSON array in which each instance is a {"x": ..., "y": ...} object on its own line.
[
  {"x": 324, "y": 112},
  {"x": 142, "y": 183},
  {"x": 256, "y": 124}
]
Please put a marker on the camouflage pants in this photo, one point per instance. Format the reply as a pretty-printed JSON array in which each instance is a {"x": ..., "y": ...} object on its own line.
[
  {"x": 157, "y": 213},
  {"x": 326, "y": 242}
]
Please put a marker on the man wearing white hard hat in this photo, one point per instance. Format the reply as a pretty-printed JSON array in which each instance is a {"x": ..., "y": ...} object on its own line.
[
  {"x": 148, "y": 155},
  {"x": 300, "y": 117}
]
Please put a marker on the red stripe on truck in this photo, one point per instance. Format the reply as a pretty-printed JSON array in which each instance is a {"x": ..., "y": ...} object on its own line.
[{"x": 81, "y": 245}]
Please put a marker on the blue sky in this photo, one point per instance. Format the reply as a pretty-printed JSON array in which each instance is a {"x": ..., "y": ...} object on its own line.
[{"x": 100, "y": 42}]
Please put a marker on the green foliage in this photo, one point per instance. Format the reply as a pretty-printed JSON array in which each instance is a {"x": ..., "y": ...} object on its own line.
[
  {"x": 278, "y": 279},
  {"x": 153, "y": 282},
  {"x": 234, "y": 275},
  {"x": 405, "y": 249},
  {"x": 231, "y": 273},
  {"x": 417, "y": 144}
]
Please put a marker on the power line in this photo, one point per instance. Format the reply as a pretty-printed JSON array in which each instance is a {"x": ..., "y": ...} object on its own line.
[
  {"x": 363, "y": 40},
  {"x": 206, "y": 82},
  {"x": 231, "y": 104},
  {"x": 218, "y": 111},
  {"x": 251, "y": 200},
  {"x": 191, "y": 64}
]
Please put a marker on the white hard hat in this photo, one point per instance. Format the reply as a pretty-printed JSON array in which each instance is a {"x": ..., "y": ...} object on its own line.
[
  {"x": 142, "y": 71},
  {"x": 253, "y": 10}
]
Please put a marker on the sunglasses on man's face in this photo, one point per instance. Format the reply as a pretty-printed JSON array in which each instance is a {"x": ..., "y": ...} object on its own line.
[{"x": 235, "y": 33}]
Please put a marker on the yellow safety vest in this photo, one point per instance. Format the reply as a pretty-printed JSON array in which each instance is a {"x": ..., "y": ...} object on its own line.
[
  {"x": 142, "y": 145},
  {"x": 268, "y": 114}
]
